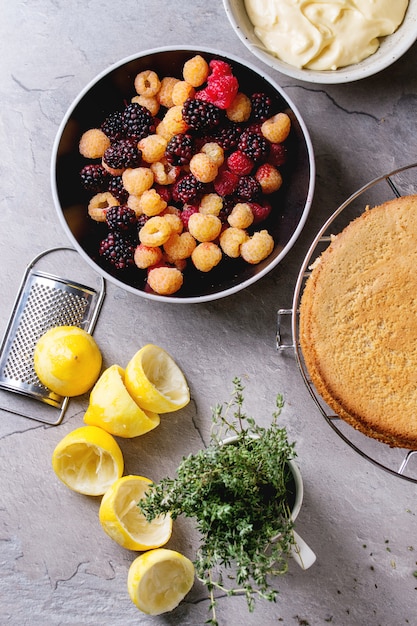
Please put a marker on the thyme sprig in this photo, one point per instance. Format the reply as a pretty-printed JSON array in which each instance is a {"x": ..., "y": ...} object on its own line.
[{"x": 238, "y": 496}]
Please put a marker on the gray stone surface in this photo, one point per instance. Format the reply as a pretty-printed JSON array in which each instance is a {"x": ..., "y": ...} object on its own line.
[{"x": 57, "y": 566}]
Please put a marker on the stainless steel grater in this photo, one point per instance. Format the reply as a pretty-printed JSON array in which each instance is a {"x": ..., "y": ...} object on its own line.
[{"x": 44, "y": 300}]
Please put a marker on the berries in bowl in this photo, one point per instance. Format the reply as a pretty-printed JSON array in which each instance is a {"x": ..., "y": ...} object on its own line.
[{"x": 183, "y": 175}]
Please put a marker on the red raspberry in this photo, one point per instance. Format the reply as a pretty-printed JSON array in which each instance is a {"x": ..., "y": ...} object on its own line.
[
  {"x": 226, "y": 183},
  {"x": 260, "y": 211},
  {"x": 277, "y": 154},
  {"x": 239, "y": 163},
  {"x": 220, "y": 68},
  {"x": 186, "y": 213},
  {"x": 222, "y": 86}
]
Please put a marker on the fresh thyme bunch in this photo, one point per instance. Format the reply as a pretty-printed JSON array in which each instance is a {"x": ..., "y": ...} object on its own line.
[{"x": 238, "y": 495}]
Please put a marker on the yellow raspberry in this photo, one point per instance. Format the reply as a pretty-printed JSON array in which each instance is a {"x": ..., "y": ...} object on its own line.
[
  {"x": 136, "y": 180},
  {"x": 93, "y": 143},
  {"x": 150, "y": 103},
  {"x": 164, "y": 95},
  {"x": 147, "y": 83},
  {"x": 155, "y": 232},
  {"x": 180, "y": 246},
  {"x": 203, "y": 168},
  {"x": 164, "y": 173},
  {"x": 151, "y": 203},
  {"x": 277, "y": 128},
  {"x": 162, "y": 130},
  {"x": 165, "y": 280},
  {"x": 174, "y": 221},
  {"x": 133, "y": 202},
  {"x": 231, "y": 239},
  {"x": 206, "y": 256},
  {"x": 269, "y": 178},
  {"x": 241, "y": 216},
  {"x": 145, "y": 256},
  {"x": 214, "y": 151},
  {"x": 211, "y": 204},
  {"x": 180, "y": 264},
  {"x": 204, "y": 227},
  {"x": 257, "y": 247},
  {"x": 152, "y": 148},
  {"x": 172, "y": 210},
  {"x": 196, "y": 70},
  {"x": 181, "y": 92},
  {"x": 98, "y": 205},
  {"x": 240, "y": 109},
  {"x": 174, "y": 122}
]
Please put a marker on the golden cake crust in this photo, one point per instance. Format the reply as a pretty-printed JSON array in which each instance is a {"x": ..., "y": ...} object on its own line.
[{"x": 358, "y": 323}]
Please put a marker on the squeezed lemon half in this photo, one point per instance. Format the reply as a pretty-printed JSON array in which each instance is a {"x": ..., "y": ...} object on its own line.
[
  {"x": 67, "y": 360},
  {"x": 88, "y": 460},
  {"x": 112, "y": 407},
  {"x": 155, "y": 381},
  {"x": 123, "y": 521},
  {"x": 159, "y": 579}
]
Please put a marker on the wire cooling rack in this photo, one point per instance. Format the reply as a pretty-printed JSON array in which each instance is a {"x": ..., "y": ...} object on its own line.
[{"x": 403, "y": 181}]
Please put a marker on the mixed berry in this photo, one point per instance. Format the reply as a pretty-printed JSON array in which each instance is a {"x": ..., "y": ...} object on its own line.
[{"x": 185, "y": 173}]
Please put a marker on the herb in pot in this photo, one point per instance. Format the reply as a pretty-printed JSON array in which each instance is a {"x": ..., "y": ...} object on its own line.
[{"x": 238, "y": 495}]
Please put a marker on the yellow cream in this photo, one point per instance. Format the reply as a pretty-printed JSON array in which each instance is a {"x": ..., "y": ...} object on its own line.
[{"x": 324, "y": 35}]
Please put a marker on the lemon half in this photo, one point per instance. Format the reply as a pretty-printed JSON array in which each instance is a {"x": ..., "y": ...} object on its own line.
[
  {"x": 67, "y": 360},
  {"x": 123, "y": 521},
  {"x": 159, "y": 579},
  {"x": 155, "y": 381},
  {"x": 112, "y": 407},
  {"x": 88, "y": 460}
]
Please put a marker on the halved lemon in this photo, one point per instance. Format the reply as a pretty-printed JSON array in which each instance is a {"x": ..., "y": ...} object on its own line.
[
  {"x": 67, "y": 360},
  {"x": 159, "y": 579},
  {"x": 112, "y": 407},
  {"x": 155, "y": 381},
  {"x": 123, "y": 521},
  {"x": 88, "y": 460}
]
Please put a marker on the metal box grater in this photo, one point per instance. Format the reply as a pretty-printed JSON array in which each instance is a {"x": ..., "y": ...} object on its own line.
[{"x": 44, "y": 301}]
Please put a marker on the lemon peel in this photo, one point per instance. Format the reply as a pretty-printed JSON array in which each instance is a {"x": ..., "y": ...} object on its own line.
[
  {"x": 155, "y": 381},
  {"x": 112, "y": 408},
  {"x": 159, "y": 579},
  {"x": 67, "y": 360},
  {"x": 88, "y": 460},
  {"x": 121, "y": 518}
]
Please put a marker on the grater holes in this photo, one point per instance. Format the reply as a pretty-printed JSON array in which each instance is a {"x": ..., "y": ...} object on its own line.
[{"x": 45, "y": 307}]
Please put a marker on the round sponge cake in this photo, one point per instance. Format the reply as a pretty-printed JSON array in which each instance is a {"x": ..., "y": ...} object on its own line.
[{"x": 358, "y": 323}]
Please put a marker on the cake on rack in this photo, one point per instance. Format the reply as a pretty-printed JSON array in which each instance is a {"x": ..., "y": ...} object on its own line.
[{"x": 358, "y": 323}]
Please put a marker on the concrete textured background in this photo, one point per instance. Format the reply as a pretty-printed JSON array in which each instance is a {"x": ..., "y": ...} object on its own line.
[{"x": 57, "y": 566}]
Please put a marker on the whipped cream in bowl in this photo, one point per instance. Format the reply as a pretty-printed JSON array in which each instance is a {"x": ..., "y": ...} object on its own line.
[{"x": 331, "y": 41}]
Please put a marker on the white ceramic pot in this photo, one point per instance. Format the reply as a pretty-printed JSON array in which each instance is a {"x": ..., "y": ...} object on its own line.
[{"x": 301, "y": 552}]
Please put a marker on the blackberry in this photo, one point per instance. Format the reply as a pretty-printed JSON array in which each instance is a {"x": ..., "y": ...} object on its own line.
[
  {"x": 121, "y": 154},
  {"x": 254, "y": 145},
  {"x": 137, "y": 121},
  {"x": 248, "y": 189},
  {"x": 117, "y": 250},
  {"x": 141, "y": 221},
  {"x": 180, "y": 149},
  {"x": 117, "y": 190},
  {"x": 186, "y": 189},
  {"x": 228, "y": 136},
  {"x": 94, "y": 177},
  {"x": 121, "y": 218},
  {"x": 113, "y": 126},
  {"x": 201, "y": 115},
  {"x": 261, "y": 106}
]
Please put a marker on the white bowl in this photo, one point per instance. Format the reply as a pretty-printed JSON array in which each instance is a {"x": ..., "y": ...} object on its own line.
[{"x": 390, "y": 50}]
